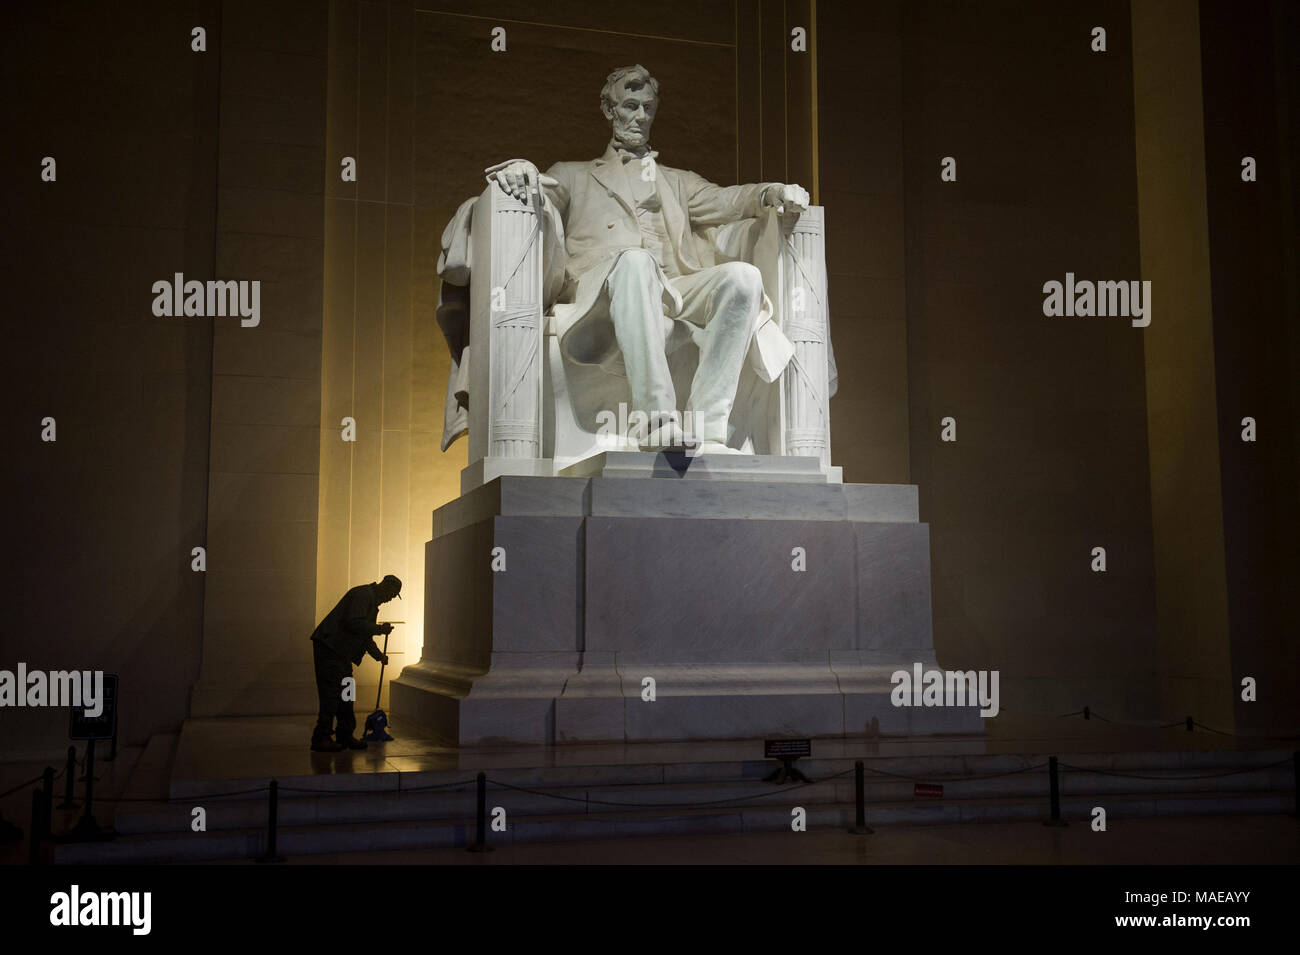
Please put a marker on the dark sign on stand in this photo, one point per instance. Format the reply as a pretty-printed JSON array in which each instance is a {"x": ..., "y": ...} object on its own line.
[
  {"x": 103, "y": 726},
  {"x": 786, "y": 748},
  {"x": 91, "y": 728},
  {"x": 787, "y": 751}
]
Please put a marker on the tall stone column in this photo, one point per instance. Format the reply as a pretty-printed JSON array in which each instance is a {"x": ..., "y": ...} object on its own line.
[{"x": 1182, "y": 419}]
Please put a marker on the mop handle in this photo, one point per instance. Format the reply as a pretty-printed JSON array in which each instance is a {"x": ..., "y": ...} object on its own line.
[
  {"x": 380, "y": 692},
  {"x": 378, "y": 695}
]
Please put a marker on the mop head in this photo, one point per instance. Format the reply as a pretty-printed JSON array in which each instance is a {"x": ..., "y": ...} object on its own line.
[{"x": 376, "y": 728}]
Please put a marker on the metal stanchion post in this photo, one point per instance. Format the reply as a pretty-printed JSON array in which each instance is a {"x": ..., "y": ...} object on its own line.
[
  {"x": 34, "y": 846},
  {"x": 1295, "y": 792},
  {"x": 272, "y": 821},
  {"x": 860, "y": 826},
  {"x": 70, "y": 780},
  {"x": 1055, "y": 795},
  {"x": 87, "y": 827},
  {"x": 480, "y": 823},
  {"x": 47, "y": 798}
]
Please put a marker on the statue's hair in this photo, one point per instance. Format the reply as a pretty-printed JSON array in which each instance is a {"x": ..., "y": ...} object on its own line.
[{"x": 634, "y": 77}]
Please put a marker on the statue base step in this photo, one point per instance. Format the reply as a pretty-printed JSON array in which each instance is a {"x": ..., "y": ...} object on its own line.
[
  {"x": 769, "y": 468},
  {"x": 565, "y": 704},
  {"x": 704, "y": 467}
]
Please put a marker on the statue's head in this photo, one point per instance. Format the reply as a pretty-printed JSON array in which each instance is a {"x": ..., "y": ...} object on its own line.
[{"x": 629, "y": 101}]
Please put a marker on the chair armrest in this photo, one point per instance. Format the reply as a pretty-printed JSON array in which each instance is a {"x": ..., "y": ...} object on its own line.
[{"x": 505, "y": 329}]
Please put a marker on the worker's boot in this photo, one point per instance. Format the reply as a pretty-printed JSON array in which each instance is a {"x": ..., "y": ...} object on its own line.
[
  {"x": 351, "y": 743},
  {"x": 326, "y": 745}
]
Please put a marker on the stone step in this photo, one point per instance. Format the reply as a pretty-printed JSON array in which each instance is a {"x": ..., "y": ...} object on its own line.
[
  {"x": 702, "y": 468},
  {"x": 408, "y": 803},
  {"x": 520, "y": 496},
  {"x": 151, "y": 775},
  {"x": 247, "y": 843},
  {"x": 654, "y": 767}
]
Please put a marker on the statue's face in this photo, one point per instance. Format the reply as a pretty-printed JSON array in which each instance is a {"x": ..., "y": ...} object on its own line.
[{"x": 633, "y": 115}]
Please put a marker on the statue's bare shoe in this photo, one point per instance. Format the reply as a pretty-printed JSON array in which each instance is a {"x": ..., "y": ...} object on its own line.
[{"x": 667, "y": 437}]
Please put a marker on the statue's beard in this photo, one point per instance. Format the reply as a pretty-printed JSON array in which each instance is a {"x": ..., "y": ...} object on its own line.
[{"x": 629, "y": 134}]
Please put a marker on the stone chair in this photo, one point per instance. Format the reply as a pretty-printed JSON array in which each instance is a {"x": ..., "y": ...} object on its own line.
[{"x": 538, "y": 414}]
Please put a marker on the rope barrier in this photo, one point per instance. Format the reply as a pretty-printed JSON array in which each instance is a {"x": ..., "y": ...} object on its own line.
[
  {"x": 433, "y": 787},
  {"x": 353, "y": 792},
  {"x": 10, "y": 792},
  {"x": 1088, "y": 713},
  {"x": 731, "y": 799},
  {"x": 957, "y": 779},
  {"x": 1233, "y": 772},
  {"x": 668, "y": 805},
  {"x": 553, "y": 795},
  {"x": 169, "y": 800},
  {"x": 1213, "y": 730},
  {"x": 21, "y": 786},
  {"x": 728, "y": 801},
  {"x": 41, "y": 815}
]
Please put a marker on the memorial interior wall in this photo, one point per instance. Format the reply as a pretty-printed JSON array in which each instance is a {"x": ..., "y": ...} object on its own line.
[{"x": 175, "y": 433}]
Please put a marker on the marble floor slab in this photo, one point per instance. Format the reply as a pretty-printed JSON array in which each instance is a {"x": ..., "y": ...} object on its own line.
[{"x": 246, "y": 748}]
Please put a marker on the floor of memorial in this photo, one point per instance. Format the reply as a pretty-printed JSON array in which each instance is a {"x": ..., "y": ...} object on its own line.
[
  {"x": 244, "y": 748},
  {"x": 277, "y": 746},
  {"x": 211, "y": 752}
]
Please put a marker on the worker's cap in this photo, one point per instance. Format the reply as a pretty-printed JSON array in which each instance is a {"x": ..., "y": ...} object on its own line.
[{"x": 391, "y": 581}]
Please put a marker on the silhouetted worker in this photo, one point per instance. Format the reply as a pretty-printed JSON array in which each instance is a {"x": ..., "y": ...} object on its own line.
[{"x": 347, "y": 632}]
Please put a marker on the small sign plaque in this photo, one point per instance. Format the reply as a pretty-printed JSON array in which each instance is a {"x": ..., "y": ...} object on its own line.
[
  {"x": 787, "y": 751},
  {"x": 103, "y": 726},
  {"x": 786, "y": 748}
]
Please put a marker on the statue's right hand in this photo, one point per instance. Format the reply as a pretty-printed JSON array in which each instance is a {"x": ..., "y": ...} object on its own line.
[{"x": 519, "y": 179}]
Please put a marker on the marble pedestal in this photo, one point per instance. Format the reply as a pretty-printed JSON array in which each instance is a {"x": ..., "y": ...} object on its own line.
[{"x": 608, "y": 581}]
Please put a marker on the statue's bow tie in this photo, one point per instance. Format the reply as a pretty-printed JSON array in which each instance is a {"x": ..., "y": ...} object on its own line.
[{"x": 628, "y": 156}]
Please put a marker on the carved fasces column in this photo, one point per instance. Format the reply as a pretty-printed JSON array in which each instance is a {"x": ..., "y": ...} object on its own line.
[
  {"x": 805, "y": 399},
  {"x": 506, "y": 331}
]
